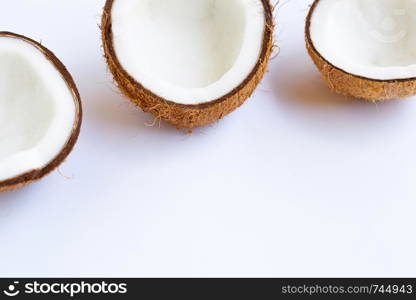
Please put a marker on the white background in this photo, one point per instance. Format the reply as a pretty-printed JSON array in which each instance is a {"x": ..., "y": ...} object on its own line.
[{"x": 297, "y": 182}]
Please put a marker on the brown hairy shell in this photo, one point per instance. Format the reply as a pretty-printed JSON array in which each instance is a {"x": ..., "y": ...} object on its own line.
[
  {"x": 181, "y": 115},
  {"x": 352, "y": 85},
  {"x": 34, "y": 175}
]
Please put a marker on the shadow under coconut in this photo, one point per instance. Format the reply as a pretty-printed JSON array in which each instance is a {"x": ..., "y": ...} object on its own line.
[
  {"x": 105, "y": 105},
  {"x": 298, "y": 85},
  {"x": 298, "y": 82},
  {"x": 11, "y": 196},
  {"x": 111, "y": 114},
  {"x": 110, "y": 108}
]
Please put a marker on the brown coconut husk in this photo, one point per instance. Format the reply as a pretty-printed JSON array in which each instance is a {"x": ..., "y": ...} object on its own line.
[
  {"x": 181, "y": 115},
  {"x": 34, "y": 175},
  {"x": 351, "y": 85}
]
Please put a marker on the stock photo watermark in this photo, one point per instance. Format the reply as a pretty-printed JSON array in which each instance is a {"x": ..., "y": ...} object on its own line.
[
  {"x": 64, "y": 288},
  {"x": 391, "y": 27}
]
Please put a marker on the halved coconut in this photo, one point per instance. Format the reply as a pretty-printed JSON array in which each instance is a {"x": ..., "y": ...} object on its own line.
[
  {"x": 40, "y": 111},
  {"x": 187, "y": 62},
  {"x": 365, "y": 48}
]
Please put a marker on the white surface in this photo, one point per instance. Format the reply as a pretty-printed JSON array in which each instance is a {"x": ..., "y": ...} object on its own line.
[
  {"x": 189, "y": 52},
  {"x": 297, "y": 182},
  {"x": 370, "y": 38},
  {"x": 36, "y": 121}
]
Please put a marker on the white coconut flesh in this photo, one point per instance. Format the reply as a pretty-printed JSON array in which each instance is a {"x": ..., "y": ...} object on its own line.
[
  {"x": 37, "y": 109},
  {"x": 375, "y": 39},
  {"x": 188, "y": 52}
]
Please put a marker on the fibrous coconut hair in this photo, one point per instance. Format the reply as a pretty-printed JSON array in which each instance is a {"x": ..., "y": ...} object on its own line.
[
  {"x": 185, "y": 115},
  {"x": 355, "y": 85},
  {"x": 37, "y": 174}
]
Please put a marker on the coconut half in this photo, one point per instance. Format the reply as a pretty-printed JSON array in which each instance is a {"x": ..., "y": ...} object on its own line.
[
  {"x": 40, "y": 111},
  {"x": 365, "y": 48},
  {"x": 187, "y": 62}
]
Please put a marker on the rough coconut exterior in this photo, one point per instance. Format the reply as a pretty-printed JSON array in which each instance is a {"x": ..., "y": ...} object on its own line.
[
  {"x": 181, "y": 115},
  {"x": 35, "y": 175},
  {"x": 351, "y": 85}
]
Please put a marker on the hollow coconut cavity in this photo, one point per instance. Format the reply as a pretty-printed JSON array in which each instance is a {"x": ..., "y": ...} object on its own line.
[
  {"x": 187, "y": 62},
  {"x": 40, "y": 111},
  {"x": 365, "y": 48}
]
